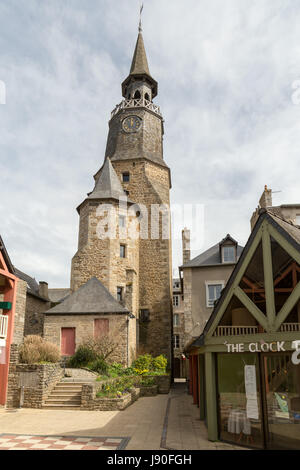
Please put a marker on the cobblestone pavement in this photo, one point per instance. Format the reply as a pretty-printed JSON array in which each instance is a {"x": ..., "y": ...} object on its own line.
[{"x": 154, "y": 423}]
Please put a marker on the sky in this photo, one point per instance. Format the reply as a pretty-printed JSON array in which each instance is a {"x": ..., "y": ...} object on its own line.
[{"x": 229, "y": 82}]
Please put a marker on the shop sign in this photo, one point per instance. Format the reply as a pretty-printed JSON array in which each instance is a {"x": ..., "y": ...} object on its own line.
[{"x": 275, "y": 346}]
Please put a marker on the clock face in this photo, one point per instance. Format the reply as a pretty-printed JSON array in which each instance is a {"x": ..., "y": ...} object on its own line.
[{"x": 131, "y": 124}]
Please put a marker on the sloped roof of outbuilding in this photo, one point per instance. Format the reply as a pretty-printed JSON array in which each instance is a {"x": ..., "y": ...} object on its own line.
[{"x": 91, "y": 298}]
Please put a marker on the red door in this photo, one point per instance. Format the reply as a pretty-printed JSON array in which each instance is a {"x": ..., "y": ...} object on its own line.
[
  {"x": 101, "y": 327},
  {"x": 67, "y": 341}
]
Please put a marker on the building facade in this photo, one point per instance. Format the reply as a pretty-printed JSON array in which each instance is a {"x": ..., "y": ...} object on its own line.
[
  {"x": 245, "y": 367},
  {"x": 178, "y": 330},
  {"x": 203, "y": 278},
  {"x": 131, "y": 194}
]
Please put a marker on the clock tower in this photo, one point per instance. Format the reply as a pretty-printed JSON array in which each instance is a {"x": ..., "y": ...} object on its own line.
[{"x": 133, "y": 166}]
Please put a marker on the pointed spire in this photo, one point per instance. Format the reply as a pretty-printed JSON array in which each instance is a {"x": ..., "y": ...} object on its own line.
[
  {"x": 108, "y": 185},
  {"x": 139, "y": 64}
]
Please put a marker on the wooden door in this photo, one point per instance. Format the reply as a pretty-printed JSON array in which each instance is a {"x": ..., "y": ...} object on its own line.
[
  {"x": 68, "y": 341},
  {"x": 101, "y": 327}
]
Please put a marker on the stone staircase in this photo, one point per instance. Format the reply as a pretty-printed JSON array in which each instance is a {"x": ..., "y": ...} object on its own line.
[{"x": 65, "y": 396}]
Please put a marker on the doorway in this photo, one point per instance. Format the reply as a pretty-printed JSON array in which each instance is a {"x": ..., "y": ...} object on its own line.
[{"x": 68, "y": 344}]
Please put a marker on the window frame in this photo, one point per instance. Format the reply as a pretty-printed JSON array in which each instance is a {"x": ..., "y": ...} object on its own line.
[
  {"x": 126, "y": 175},
  {"x": 176, "y": 296},
  {"x": 176, "y": 345},
  {"x": 120, "y": 296},
  {"x": 176, "y": 324},
  {"x": 209, "y": 284},
  {"x": 125, "y": 251},
  {"x": 234, "y": 254}
]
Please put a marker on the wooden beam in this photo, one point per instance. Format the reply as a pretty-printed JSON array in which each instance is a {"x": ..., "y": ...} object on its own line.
[
  {"x": 283, "y": 275},
  {"x": 290, "y": 249},
  {"x": 211, "y": 396},
  {"x": 288, "y": 306},
  {"x": 268, "y": 275},
  {"x": 252, "y": 308}
]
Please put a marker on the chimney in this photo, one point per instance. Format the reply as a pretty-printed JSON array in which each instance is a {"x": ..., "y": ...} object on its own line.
[
  {"x": 266, "y": 198},
  {"x": 43, "y": 290},
  {"x": 186, "y": 245}
]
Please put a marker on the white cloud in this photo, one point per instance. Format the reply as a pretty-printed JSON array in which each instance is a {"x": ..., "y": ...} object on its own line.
[{"x": 225, "y": 73}]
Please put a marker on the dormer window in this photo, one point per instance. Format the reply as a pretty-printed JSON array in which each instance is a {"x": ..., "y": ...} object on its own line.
[{"x": 229, "y": 254}]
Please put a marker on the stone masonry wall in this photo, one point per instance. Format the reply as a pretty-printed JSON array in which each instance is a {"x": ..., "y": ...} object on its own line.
[
  {"x": 84, "y": 325},
  {"x": 38, "y": 381},
  {"x": 34, "y": 318}
]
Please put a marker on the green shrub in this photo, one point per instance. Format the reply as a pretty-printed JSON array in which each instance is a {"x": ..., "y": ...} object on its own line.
[
  {"x": 147, "y": 382},
  {"x": 82, "y": 357},
  {"x": 35, "y": 350},
  {"x": 99, "y": 366},
  {"x": 143, "y": 364},
  {"x": 159, "y": 363}
]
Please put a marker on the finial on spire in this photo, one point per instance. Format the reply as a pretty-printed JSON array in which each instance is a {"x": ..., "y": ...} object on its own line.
[{"x": 141, "y": 11}]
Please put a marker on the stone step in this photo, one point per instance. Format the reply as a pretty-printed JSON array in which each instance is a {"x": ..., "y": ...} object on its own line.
[
  {"x": 61, "y": 407},
  {"x": 78, "y": 380},
  {"x": 53, "y": 401},
  {"x": 76, "y": 396},
  {"x": 76, "y": 389}
]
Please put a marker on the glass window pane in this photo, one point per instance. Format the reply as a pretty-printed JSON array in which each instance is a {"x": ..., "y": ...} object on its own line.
[{"x": 239, "y": 399}]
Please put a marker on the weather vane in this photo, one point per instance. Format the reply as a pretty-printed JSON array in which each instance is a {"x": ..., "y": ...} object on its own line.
[{"x": 141, "y": 11}]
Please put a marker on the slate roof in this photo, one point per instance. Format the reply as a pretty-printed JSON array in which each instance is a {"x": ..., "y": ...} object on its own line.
[
  {"x": 288, "y": 230},
  {"x": 211, "y": 257},
  {"x": 108, "y": 185},
  {"x": 91, "y": 298},
  {"x": 139, "y": 64},
  {"x": 58, "y": 295},
  {"x": 32, "y": 284},
  {"x": 6, "y": 257}
]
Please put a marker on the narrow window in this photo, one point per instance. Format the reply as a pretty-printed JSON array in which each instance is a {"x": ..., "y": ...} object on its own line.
[
  {"x": 175, "y": 300},
  {"x": 122, "y": 221},
  {"x": 120, "y": 294},
  {"x": 137, "y": 95},
  {"x": 176, "y": 341},
  {"x": 122, "y": 251},
  {"x": 147, "y": 97},
  {"x": 176, "y": 319},
  {"x": 126, "y": 177}
]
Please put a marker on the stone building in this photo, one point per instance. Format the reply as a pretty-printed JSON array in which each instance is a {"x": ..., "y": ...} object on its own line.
[
  {"x": 203, "y": 278},
  {"x": 131, "y": 191}
]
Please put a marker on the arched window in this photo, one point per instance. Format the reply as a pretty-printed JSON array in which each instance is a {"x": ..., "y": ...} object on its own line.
[
  {"x": 147, "y": 97},
  {"x": 137, "y": 95}
]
